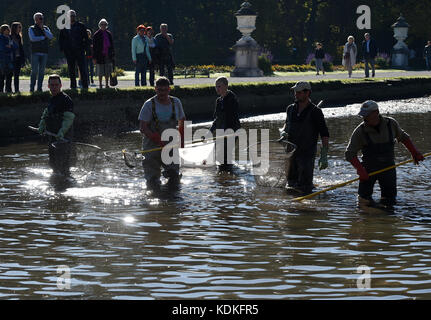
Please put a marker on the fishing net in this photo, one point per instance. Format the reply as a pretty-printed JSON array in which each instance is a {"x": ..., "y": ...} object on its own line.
[
  {"x": 277, "y": 167},
  {"x": 84, "y": 157},
  {"x": 132, "y": 159},
  {"x": 199, "y": 155},
  {"x": 87, "y": 158}
]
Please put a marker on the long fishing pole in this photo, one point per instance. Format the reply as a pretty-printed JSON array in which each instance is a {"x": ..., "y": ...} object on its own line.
[
  {"x": 48, "y": 133},
  {"x": 353, "y": 180}
]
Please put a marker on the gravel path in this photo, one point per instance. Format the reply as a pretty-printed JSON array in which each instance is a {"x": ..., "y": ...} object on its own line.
[{"x": 25, "y": 84}]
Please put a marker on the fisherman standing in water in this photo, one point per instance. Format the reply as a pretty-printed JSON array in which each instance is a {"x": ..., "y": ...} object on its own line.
[
  {"x": 226, "y": 117},
  {"x": 304, "y": 123},
  {"x": 375, "y": 138},
  {"x": 58, "y": 118},
  {"x": 160, "y": 113}
]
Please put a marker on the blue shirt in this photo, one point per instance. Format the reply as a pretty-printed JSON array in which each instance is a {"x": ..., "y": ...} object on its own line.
[{"x": 34, "y": 38}]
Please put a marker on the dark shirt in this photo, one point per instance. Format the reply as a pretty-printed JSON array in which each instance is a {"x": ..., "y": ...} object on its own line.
[
  {"x": 74, "y": 40},
  {"x": 427, "y": 51},
  {"x": 305, "y": 133},
  {"x": 373, "y": 49},
  {"x": 317, "y": 118},
  {"x": 98, "y": 47},
  {"x": 319, "y": 53},
  {"x": 226, "y": 115},
  {"x": 162, "y": 42},
  {"x": 58, "y": 105}
]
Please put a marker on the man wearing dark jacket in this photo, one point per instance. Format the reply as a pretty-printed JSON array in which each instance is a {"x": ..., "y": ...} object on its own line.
[
  {"x": 225, "y": 117},
  {"x": 304, "y": 123},
  {"x": 369, "y": 51},
  {"x": 73, "y": 43},
  {"x": 58, "y": 118}
]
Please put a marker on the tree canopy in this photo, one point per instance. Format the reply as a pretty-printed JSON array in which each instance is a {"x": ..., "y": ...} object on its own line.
[{"x": 204, "y": 31}]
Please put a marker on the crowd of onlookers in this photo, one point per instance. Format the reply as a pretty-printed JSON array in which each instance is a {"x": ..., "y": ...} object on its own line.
[
  {"x": 93, "y": 55},
  {"x": 85, "y": 52}
]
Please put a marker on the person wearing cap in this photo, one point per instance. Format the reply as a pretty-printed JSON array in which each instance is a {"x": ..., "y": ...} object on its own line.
[
  {"x": 140, "y": 55},
  {"x": 375, "y": 138},
  {"x": 73, "y": 43},
  {"x": 304, "y": 123}
]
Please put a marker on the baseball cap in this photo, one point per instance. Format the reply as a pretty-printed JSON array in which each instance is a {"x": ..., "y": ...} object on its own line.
[
  {"x": 301, "y": 85},
  {"x": 368, "y": 107}
]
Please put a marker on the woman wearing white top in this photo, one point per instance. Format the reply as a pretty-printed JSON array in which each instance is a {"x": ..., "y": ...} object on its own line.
[{"x": 349, "y": 54}]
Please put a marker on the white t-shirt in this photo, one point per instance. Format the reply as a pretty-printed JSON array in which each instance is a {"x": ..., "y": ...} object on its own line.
[{"x": 163, "y": 111}]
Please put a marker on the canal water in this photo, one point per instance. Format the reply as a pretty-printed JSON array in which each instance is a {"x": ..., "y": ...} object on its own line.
[{"x": 218, "y": 236}]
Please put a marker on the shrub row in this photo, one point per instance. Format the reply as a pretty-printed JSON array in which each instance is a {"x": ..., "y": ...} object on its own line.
[{"x": 257, "y": 88}]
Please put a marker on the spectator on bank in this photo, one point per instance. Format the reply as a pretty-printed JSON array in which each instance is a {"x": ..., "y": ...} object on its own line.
[
  {"x": 319, "y": 55},
  {"x": 73, "y": 43},
  {"x": 103, "y": 52},
  {"x": 349, "y": 55},
  {"x": 19, "y": 55},
  {"x": 152, "y": 45},
  {"x": 141, "y": 55},
  {"x": 7, "y": 48},
  {"x": 369, "y": 51},
  {"x": 427, "y": 55},
  {"x": 164, "y": 42},
  {"x": 89, "y": 58},
  {"x": 40, "y": 36}
]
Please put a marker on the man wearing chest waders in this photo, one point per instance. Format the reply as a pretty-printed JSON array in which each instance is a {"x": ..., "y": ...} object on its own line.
[
  {"x": 226, "y": 116},
  {"x": 58, "y": 118},
  {"x": 375, "y": 138},
  {"x": 304, "y": 123},
  {"x": 158, "y": 114}
]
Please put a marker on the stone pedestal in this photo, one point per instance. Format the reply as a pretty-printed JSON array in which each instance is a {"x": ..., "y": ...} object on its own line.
[
  {"x": 246, "y": 59},
  {"x": 400, "y": 52},
  {"x": 246, "y": 49}
]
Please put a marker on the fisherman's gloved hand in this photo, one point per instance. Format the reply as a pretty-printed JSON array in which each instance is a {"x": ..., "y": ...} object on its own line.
[
  {"x": 68, "y": 118},
  {"x": 157, "y": 139},
  {"x": 42, "y": 123},
  {"x": 42, "y": 126},
  {"x": 60, "y": 134},
  {"x": 417, "y": 156},
  {"x": 283, "y": 136},
  {"x": 323, "y": 161},
  {"x": 363, "y": 174}
]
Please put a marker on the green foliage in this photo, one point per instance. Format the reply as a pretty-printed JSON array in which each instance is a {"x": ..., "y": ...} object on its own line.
[
  {"x": 143, "y": 93},
  {"x": 293, "y": 68},
  {"x": 264, "y": 64},
  {"x": 64, "y": 71}
]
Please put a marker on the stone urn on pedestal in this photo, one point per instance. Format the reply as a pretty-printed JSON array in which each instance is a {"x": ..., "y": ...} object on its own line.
[
  {"x": 246, "y": 48},
  {"x": 400, "y": 51}
]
